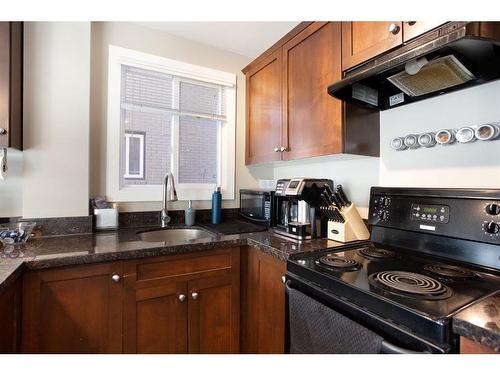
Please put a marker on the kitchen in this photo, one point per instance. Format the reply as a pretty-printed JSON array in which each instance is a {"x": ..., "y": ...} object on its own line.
[{"x": 312, "y": 187}]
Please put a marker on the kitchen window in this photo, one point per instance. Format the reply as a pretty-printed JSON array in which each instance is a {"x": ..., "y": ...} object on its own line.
[{"x": 165, "y": 115}]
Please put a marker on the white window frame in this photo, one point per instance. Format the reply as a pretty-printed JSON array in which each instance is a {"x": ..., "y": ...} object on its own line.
[
  {"x": 127, "y": 174},
  {"x": 119, "y": 56}
]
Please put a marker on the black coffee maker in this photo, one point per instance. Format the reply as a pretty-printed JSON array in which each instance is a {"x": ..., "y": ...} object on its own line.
[{"x": 297, "y": 203}]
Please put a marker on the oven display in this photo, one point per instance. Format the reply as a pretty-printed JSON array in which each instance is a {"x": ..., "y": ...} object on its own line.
[{"x": 430, "y": 213}]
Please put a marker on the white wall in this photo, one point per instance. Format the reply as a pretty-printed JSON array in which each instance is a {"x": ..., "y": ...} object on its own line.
[
  {"x": 50, "y": 179},
  {"x": 458, "y": 165},
  {"x": 11, "y": 189},
  {"x": 139, "y": 38},
  {"x": 355, "y": 173}
]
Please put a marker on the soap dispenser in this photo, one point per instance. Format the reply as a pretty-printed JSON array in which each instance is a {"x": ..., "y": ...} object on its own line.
[{"x": 189, "y": 214}]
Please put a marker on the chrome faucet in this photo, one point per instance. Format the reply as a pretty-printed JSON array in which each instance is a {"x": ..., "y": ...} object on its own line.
[{"x": 169, "y": 194}]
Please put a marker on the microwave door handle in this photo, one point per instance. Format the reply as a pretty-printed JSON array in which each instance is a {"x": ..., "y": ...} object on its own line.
[
  {"x": 254, "y": 219},
  {"x": 388, "y": 348}
]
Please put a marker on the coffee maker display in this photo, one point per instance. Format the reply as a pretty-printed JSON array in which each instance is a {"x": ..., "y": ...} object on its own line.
[{"x": 297, "y": 213}]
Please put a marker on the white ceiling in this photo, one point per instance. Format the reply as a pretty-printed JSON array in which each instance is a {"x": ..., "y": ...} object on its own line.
[{"x": 245, "y": 38}]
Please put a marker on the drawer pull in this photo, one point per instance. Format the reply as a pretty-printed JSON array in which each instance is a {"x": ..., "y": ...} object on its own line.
[
  {"x": 194, "y": 295},
  {"x": 116, "y": 278},
  {"x": 182, "y": 297},
  {"x": 394, "y": 29}
]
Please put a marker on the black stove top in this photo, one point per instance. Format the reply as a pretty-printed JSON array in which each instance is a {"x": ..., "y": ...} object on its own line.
[
  {"x": 426, "y": 286},
  {"x": 419, "y": 293}
]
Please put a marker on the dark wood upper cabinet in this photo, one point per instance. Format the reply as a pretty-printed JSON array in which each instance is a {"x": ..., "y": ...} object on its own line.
[
  {"x": 11, "y": 85},
  {"x": 288, "y": 84},
  {"x": 263, "y": 302},
  {"x": 74, "y": 309},
  {"x": 362, "y": 41},
  {"x": 412, "y": 29},
  {"x": 263, "y": 95},
  {"x": 312, "y": 119},
  {"x": 10, "y": 316}
]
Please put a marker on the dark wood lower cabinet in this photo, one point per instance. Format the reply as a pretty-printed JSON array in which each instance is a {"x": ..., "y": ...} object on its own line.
[
  {"x": 263, "y": 301},
  {"x": 468, "y": 346},
  {"x": 10, "y": 317},
  {"x": 155, "y": 319},
  {"x": 74, "y": 309},
  {"x": 186, "y": 303},
  {"x": 214, "y": 315}
]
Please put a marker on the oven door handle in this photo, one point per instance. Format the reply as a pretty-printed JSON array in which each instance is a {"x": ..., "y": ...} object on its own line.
[
  {"x": 385, "y": 347},
  {"x": 388, "y": 348}
]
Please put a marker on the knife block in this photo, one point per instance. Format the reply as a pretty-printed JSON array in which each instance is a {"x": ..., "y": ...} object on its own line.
[{"x": 353, "y": 229}]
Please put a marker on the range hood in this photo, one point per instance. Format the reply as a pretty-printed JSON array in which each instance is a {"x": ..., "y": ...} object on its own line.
[{"x": 452, "y": 57}]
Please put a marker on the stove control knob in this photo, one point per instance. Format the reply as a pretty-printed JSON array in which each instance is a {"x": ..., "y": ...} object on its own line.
[
  {"x": 384, "y": 201},
  {"x": 383, "y": 215},
  {"x": 491, "y": 227},
  {"x": 493, "y": 209}
]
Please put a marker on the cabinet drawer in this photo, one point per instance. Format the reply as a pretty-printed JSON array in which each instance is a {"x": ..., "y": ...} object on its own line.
[{"x": 179, "y": 265}]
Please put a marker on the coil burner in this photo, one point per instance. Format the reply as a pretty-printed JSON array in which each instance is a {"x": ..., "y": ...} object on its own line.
[
  {"x": 338, "y": 263},
  {"x": 450, "y": 272},
  {"x": 374, "y": 252},
  {"x": 409, "y": 284}
]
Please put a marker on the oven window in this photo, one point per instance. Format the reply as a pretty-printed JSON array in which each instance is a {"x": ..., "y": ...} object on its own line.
[{"x": 252, "y": 206}]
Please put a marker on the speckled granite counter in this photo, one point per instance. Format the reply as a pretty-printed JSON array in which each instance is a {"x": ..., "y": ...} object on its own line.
[
  {"x": 125, "y": 244},
  {"x": 481, "y": 322}
]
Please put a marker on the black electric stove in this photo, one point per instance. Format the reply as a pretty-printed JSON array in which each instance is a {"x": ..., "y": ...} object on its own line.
[{"x": 432, "y": 253}]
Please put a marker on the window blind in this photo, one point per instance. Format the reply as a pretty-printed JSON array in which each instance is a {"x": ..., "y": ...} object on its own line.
[{"x": 149, "y": 91}]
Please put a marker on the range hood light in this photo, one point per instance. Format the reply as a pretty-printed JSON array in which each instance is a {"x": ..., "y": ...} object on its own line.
[{"x": 412, "y": 67}]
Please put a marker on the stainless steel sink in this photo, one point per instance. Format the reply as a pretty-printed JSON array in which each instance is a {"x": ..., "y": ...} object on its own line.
[{"x": 175, "y": 235}]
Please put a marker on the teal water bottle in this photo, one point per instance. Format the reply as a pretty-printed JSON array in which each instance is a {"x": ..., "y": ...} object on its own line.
[{"x": 216, "y": 206}]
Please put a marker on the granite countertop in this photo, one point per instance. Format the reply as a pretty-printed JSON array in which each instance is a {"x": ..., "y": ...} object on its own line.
[
  {"x": 481, "y": 322},
  {"x": 56, "y": 251}
]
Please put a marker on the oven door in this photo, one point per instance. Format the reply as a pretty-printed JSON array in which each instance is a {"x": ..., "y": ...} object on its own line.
[{"x": 396, "y": 340}]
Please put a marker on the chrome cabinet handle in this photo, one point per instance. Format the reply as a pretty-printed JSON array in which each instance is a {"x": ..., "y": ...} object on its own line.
[
  {"x": 194, "y": 295},
  {"x": 116, "y": 278},
  {"x": 182, "y": 297},
  {"x": 283, "y": 149},
  {"x": 283, "y": 279},
  {"x": 411, "y": 23},
  {"x": 3, "y": 131},
  {"x": 276, "y": 149},
  {"x": 394, "y": 29}
]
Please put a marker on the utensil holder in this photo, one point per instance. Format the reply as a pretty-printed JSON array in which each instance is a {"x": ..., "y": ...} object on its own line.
[{"x": 353, "y": 229}]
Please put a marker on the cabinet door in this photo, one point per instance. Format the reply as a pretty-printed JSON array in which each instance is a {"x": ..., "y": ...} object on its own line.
[
  {"x": 10, "y": 318},
  {"x": 11, "y": 84},
  {"x": 468, "y": 346},
  {"x": 263, "y": 103},
  {"x": 155, "y": 318},
  {"x": 412, "y": 29},
  {"x": 73, "y": 310},
  {"x": 362, "y": 41},
  {"x": 213, "y": 315},
  {"x": 264, "y": 303},
  {"x": 312, "y": 118}
]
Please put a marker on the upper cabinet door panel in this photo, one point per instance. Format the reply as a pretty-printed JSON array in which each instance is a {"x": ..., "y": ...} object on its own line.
[
  {"x": 362, "y": 41},
  {"x": 412, "y": 29},
  {"x": 11, "y": 84},
  {"x": 312, "y": 118},
  {"x": 263, "y": 97}
]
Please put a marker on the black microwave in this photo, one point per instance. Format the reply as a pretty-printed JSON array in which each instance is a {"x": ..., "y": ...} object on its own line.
[{"x": 257, "y": 206}]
